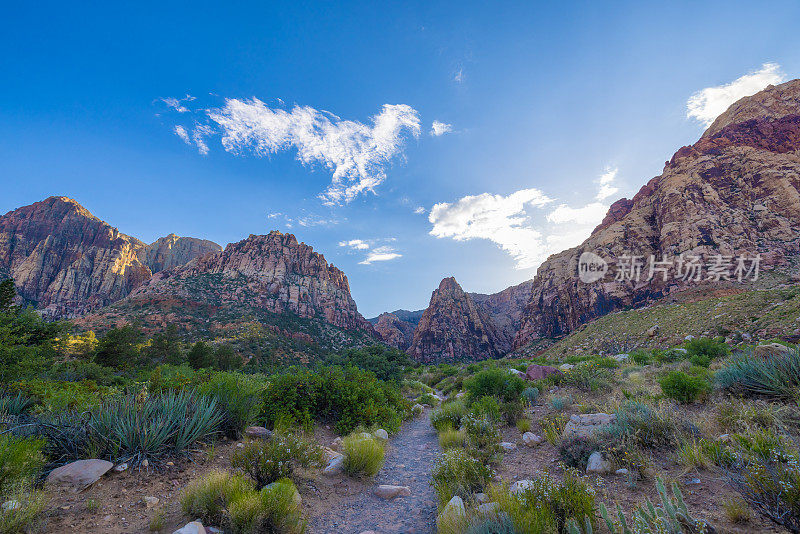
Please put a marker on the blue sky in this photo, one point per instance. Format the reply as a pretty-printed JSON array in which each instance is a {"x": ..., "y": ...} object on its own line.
[{"x": 555, "y": 111}]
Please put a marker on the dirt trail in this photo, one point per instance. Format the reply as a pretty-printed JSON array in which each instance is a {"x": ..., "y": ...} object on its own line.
[{"x": 409, "y": 460}]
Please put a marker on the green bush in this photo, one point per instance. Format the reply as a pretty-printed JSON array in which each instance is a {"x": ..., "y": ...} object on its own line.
[
  {"x": 428, "y": 399},
  {"x": 59, "y": 396},
  {"x": 486, "y": 408},
  {"x": 267, "y": 461},
  {"x": 588, "y": 376},
  {"x": 494, "y": 382},
  {"x": 363, "y": 454},
  {"x": 14, "y": 404},
  {"x": 167, "y": 424},
  {"x": 238, "y": 397},
  {"x": 512, "y": 411},
  {"x": 570, "y": 499},
  {"x": 701, "y": 351},
  {"x": 530, "y": 395},
  {"x": 448, "y": 415},
  {"x": 640, "y": 357},
  {"x": 350, "y": 397},
  {"x": 483, "y": 439},
  {"x": 682, "y": 387},
  {"x": 20, "y": 460},
  {"x": 208, "y": 497},
  {"x": 386, "y": 363},
  {"x": 456, "y": 472},
  {"x": 450, "y": 438},
  {"x": 777, "y": 377}
]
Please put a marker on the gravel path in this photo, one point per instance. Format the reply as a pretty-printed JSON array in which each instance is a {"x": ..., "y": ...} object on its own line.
[{"x": 409, "y": 461}]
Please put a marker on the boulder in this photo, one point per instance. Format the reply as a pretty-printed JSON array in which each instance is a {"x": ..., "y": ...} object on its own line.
[
  {"x": 771, "y": 350},
  {"x": 79, "y": 474},
  {"x": 453, "y": 514},
  {"x": 388, "y": 492},
  {"x": 335, "y": 466},
  {"x": 381, "y": 434},
  {"x": 516, "y": 372},
  {"x": 520, "y": 486},
  {"x": 330, "y": 454},
  {"x": 507, "y": 446},
  {"x": 195, "y": 527},
  {"x": 653, "y": 331},
  {"x": 487, "y": 508},
  {"x": 597, "y": 464},
  {"x": 531, "y": 440},
  {"x": 257, "y": 432},
  {"x": 537, "y": 372},
  {"x": 587, "y": 425}
]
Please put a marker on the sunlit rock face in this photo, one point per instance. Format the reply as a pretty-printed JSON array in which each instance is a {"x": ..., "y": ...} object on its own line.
[{"x": 735, "y": 192}]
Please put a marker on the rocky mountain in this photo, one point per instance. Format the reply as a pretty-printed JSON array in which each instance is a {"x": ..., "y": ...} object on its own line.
[
  {"x": 66, "y": 262},
  {"x": 263, "y": 274},
  {"x": 175, "y": 251},
  {"x": 735, "y": 193},
  {"x": 454, "y": 328},
  {"x": 396, "y": 329},
  {"x": 505, "y": 308}
]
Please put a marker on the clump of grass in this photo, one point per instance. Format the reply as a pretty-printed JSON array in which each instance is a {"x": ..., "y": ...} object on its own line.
[
  {"x": 458, "y": 473},
  {"x": 26, "y": 516},
  {"x": 158, "y": 521},
  {"x": 701, "y": 351},
  {"x": 683, "y": 387},
  {"x": 363, "y": 454},
  {"x": 736, "y": 510},
  {"x": 776, "y": 377},
  {"x": 14, "y": 404},
  {"x": 692, "y": 456},
  {"x": 448, "y": 414},
  {"x": 450, "y": 438},
  {"x": 553, "y": 426},
  {"x": 524, "y": 425}
]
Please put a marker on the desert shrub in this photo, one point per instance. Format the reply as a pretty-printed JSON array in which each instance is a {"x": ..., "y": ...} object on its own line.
[
  {"x": 572, "y": 498},
  {"x": 79, "y": 370},
  {"x": 26, "y": 516},
  {"x": 428, "y": 399},
  {"x": 494, "y": 382},
  {"x": 640, "y": 357},
  {"x": 735, "y": 415},
  {"x": 167, "y": 424},
  {"x": 450, "y": 438},
  {"x": 58, "y": 396},
  {"x": 363, "y": 454},
  {"x": 559, "y": 403},
  {"x": 575, "y": 452},
  {"x": 649, "y": 427},
  {"x": 267, "y": 461},
  {"x": 530, "y": 395},
  {"x": 736, "y": 510},
  {"x": 523, "y": 425},
  {"x": 351, "y": 397},
  {"x": 414, "y": 388},
  {"x": 20, "y": 460},
  {"x": 701, "y": 351},
  {"x": 512, "y": 411},
  {"x": 497, "y": 524},
  {"x": 231, "y": 501},
  {"x": 238, "y": 398},
  {"x": 386, "y": 363},
  {"x": 456, "y": 472},
  {"x": 588, "y": 376},
  {"x": 672, "y": 517},
  {"x": 683, "y": 387},
  {"x": 483, "y": 439},
  {"x": 692, "y": 456},
  {"x": 486, "y": 408},
  {"x": 11, "y": 404},
  {"x": 553, "y": 426},
  {"x": 775, "y": 377},
  {"x": 449, "y": 414}
]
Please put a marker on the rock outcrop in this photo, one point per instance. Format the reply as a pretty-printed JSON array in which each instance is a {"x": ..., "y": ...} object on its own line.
[
  {"x": 453, "y": 328},
  {"x": 174, "y": 251},
  {"x": 397, "y": 329},
  {"x": 736, "y": 192},
  {"x": 505, "y": 308},
  {"x": 273, "y": 273},
  {"x": 66, "y": 262}
]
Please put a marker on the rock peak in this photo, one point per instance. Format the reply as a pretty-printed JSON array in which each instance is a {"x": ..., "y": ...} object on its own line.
[{"x": 773, "y": 102}]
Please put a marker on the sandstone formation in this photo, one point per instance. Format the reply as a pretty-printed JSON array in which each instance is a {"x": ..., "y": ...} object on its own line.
[
  {"x": 273, "y": 273},
  {"x": 505, "y": 308},
  {"x": 394, "y": 331},
  {"x": 174, "y": 251},
  {"x": 736, "y": 192},
  {"x": 453, "y": 328}
]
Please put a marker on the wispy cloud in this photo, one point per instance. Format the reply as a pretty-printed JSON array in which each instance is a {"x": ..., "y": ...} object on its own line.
[
  {"x": 524, "y": 224},
  {"x": 707, "y": 104},
  {"x": 374, "y": 253},
  {"x": 458, "y": 77},
  {"x": 181, "y": 132},
  {"x": 357, "y": 154},
  {"x": 419, "y": 210},
  {"x": 440, "y": 128},
  {"x": 177, "y": 103}
]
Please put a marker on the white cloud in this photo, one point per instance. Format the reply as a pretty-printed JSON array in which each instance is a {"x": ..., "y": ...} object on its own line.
[
  {"x": 440, "y": 128},
  {"x": 177, "y": 103},
  {"x": 419, "y": 210},
  {"x": 380, "y": 254},
  {"x": 180, "y": 131},
  {"x": 521, "y": 223},
  {"x": 356, "y": 153},
  {"x": 707, "y": 104},
  {"x": 355, "y": 244},
  {"x": 459, "y": 76}
]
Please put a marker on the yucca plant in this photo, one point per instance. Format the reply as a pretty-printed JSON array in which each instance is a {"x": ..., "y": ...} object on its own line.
[
  {"x": 777, "y": 376},
  {"x": 14, "y": 404},
  {"x": 169, "y": 423}
]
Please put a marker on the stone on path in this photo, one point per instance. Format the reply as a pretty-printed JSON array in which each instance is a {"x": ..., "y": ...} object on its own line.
[
  {"x": 597, "y": 464},
  {"x": 388, "y": 492},
  {"x": 195, "y": 527},
  {"x": 507, "y": 446},
  {"x": 531, "y": 440},
  {"x": 566, "y": 366},
  {"x": 382, "y": 434},
  {"x": 79, "y": 474},
  {"x": 334, "y": 467},
  {"x": 257, "y": 432}
]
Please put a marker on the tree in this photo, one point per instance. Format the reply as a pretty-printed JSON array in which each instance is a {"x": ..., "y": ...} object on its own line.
[
  {"x": 119, "y": 346},
  {"x": 227, "y": 359},
  {"x": 200, "y": 355},
  {"x": 7, "y": 294},
  {"x": 166, "y": 346}
]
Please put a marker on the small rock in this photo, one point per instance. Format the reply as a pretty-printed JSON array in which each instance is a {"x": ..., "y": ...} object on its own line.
[
  {"x": 119, "y": 468},
  {"x": 382, "y": 434},
  {"x": 566, "y": 366},
  {"x": 417, "y": 409},
  {"x": 487, "y": 508},
  {"x": 531, "y": 440},
  {"x": 170, "y": 464},
  {"x": 240, "y": 445},
  {"x": 597, "y": 464},
  {"x": 337, "y": 444},
  {"x": 79, "y": 474},
  {"x": 771, "y": 350},
  {"x": 688, "y": 338},
  {"x": 150, "y": 501},
  {"x": 369, "y": 532},
  {"x": 145, "y": 463},
  {"x": 537, "y": 372},
  {"x": 108, "y": 518},
  {"x": 9, "y": 506},
  {"x": 330, "y": 454},
  {"x": 257, "y": 432},
  {"x": 520, "y": 486},
  {"x": 508, "y": 447},
  {"x": 693, "y": 481},
  {"x": 453, "y": 512},
  {"x": 622, "y": 471},
  {"x": 214, "y": 530},
  {"x": 195, "y": 527},
  {"x": 653, "y": 331},
  {"x": 388, "y": 492},
  {"x": 334, "y": 467}
]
